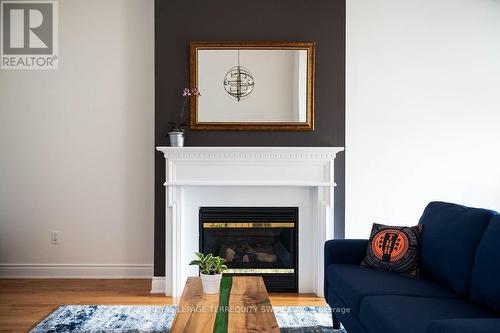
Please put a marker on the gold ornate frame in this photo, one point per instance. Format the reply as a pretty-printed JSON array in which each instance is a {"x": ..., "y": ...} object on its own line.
[{"x": 254, "y": 126}]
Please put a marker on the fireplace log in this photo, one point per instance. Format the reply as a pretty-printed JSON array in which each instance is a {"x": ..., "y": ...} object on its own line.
[
  {"x": 229, "y": 256},
  {"x": 248, "y": 249},
  {"x": 265, "y": 257}
]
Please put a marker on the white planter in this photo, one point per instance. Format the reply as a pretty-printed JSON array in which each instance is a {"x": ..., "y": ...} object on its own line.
[
  {"x": 211, "y": 283},
  {"x": 176, "y": 139}
]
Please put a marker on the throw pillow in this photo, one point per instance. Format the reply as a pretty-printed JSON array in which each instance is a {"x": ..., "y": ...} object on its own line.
[{"x": 394, "y": 249}]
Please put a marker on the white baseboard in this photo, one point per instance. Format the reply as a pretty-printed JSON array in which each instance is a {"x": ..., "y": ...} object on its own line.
[
  {"x": 76, "y": 271},
  {"x": 158, "y": 285}
]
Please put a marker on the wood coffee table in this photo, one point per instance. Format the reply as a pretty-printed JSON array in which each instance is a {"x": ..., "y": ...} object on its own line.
[{"x": 242, "y": 306}]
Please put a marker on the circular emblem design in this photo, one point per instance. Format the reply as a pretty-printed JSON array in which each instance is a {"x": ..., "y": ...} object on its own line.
[
  {"x": 394, "y": 249},
  {"x": 390, "y": 245},
  {"x": 238, "y": 82}
]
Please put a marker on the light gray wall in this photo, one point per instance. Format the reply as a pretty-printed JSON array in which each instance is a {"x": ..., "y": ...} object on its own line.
[
  {"x": 422, "y": 108},
  {"x": 76, "y": 147}
]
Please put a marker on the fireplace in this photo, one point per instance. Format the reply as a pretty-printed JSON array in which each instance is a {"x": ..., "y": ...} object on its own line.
[
  {"x": 254, "y": 241},
  {"x": 195, "y": 177}
]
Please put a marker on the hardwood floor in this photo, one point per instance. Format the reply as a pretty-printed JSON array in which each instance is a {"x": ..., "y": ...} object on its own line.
[{"x": 24, "y": 303}]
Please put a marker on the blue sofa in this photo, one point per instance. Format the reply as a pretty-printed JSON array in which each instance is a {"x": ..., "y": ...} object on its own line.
[{"x": 459, "y": 288}]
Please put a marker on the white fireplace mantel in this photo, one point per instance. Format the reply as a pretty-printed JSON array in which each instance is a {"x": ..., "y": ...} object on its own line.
[{"x": 228, "y": 176}]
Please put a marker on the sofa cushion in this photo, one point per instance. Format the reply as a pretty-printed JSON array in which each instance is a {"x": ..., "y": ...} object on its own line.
[
  {"x": 352, "y": 283},
  {"x": 485, "y": 285},
  {"x": 449, "y": 241},
  {"x": 469, "y": 325},
  {"x": 348, "y": 319},
  {"x": 412, "y": 314}
]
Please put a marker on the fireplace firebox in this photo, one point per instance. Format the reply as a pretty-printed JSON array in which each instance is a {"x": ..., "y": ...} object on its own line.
[{"x": 254, "y": 241}]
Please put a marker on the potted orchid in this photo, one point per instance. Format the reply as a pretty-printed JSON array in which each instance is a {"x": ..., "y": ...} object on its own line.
[
  {"x": 211, "y": 269},
  {"x": 176, "y": 133}
]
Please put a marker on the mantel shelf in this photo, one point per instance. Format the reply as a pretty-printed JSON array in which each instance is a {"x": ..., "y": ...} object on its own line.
[
  {"x": 251, "y": 153},
  {"x": 250, "y": 183}
]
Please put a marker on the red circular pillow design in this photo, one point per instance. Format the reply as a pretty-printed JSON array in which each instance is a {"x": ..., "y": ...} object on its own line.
[{"x": 394, "y": 249}]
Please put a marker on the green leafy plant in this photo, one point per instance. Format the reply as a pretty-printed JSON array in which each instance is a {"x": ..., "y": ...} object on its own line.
[{"x": 208, "y": 264}]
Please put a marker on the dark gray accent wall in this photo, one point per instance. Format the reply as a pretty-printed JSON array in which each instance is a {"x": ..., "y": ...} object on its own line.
[{"x": 177, "y": 22}]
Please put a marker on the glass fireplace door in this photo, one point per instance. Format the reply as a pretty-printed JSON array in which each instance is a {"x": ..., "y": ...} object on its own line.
[
  {"x": 254, "y": 241},
  {"x": 252, "y": 247}
]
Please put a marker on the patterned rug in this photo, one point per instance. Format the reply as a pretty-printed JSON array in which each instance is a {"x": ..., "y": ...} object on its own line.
[{"x": 156, "y": 319}]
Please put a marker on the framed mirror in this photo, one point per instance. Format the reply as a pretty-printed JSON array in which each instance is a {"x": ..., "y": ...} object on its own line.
[{"x": 252, "y": 86}]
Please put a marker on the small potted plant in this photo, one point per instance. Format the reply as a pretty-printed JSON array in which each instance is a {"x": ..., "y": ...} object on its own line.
[
  {"x": 211, "y": 269},
  {"x": 176, "y": 133}
]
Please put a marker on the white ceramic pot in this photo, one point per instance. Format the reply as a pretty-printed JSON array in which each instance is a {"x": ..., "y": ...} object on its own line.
[
  {"x": 211, "y": 283},
  {"x": 176, "y": 139}
]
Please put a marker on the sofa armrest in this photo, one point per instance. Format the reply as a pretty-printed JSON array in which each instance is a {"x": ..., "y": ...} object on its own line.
[
  {"x": 469, "y": 325},
  {"x": 345, "y": 251}
]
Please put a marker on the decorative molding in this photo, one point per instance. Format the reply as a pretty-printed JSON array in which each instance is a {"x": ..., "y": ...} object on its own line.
[
  {"x": 251, "y": 153},
  {"x": 247, "y": 183},
  {"x": 76, "y": 271},
  {"x": 311, "y": 167}
]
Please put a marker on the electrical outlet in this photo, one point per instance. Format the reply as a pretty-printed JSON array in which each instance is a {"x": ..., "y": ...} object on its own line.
[{"x": 55, "y": 237}]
